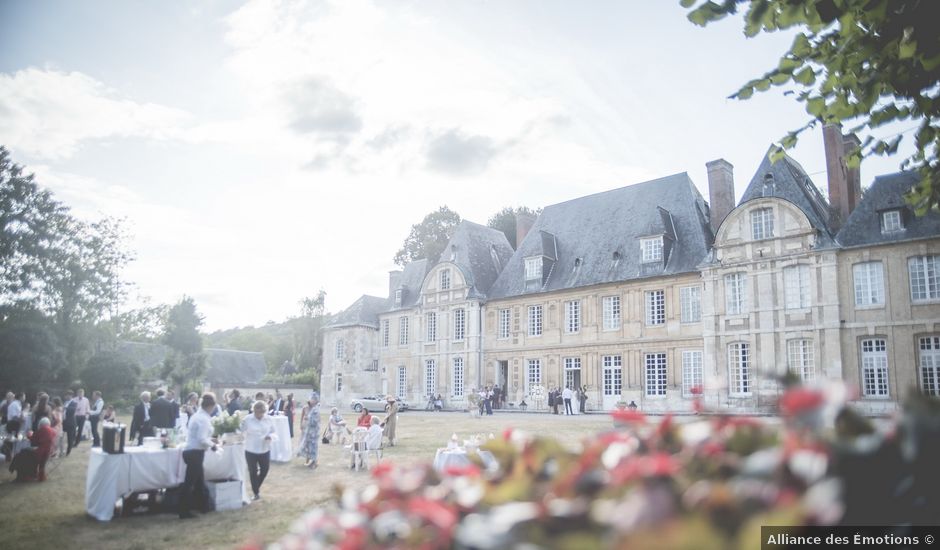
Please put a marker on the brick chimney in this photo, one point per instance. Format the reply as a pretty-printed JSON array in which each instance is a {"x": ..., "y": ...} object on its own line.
[
  {"x": 845, "y": 184},
  {"x": 394, "y": 280},
  {"x": 720, "y": 191},
  {"x": 524, "y": 223}
]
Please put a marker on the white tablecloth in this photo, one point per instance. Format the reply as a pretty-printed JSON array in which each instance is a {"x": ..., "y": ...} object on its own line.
[
  {"x": 458, "y": 458},
  {"x": 282, "y": 447},
  {"x": 114, "y": 476}
]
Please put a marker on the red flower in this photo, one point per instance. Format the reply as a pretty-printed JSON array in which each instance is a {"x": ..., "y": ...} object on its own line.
[
  {"x": 800, "y": 400},
  {"x": 660, "y": 464},
  {"x": 381, "y": 469},
  {"x": 507, "y": 434},
  {"x": 469, "y": 470},
  {"x": 628, "y": 417},
  {"x": 436, "y": 513},
  {"x": 696, "y": 390}
]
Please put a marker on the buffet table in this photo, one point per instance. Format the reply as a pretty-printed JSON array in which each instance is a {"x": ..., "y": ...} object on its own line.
[
  {"x": 281, "y": 448},
  {"x": 447, "y": 458},
  {"x": 114, "y": 476}
]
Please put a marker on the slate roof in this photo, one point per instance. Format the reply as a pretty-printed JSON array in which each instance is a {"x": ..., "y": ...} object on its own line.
[
  {"x": 223, "y": 366},
  {"x": 863, "y": 227},
  {"x": 786, "y": 179},
  {"x": 585, "y": 233},
  {"x": 410, "y": 281},
  {"x": 363, "y": 312},
  {"x": 480, "y": 253}
]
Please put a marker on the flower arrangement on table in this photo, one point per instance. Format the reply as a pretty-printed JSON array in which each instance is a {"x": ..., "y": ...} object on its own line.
[
  {"x": 226, "y": 423},
  {"x": 709, "y": 483}
]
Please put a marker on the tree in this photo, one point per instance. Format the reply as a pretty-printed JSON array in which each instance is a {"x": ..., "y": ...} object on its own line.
[
  {"x": 144, "y": 324},
  {"x": 111, "y": 373},
  {"x": 186, "y": 362},
  {"x": 30, "y": 353},
  {"x": 868, "y": 62},
  {"x": 308, "y": 337},
  {"x": 428, "y": 238},
  {"x": 505, "y": 221}
]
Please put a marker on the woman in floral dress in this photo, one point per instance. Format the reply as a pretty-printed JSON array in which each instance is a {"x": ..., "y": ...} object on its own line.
[{"x": 309, "y": 445}]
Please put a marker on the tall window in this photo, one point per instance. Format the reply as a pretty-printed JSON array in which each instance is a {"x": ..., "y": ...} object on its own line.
[
  {"x": 460, "y": 324},
  {"x": 613, "y": 374},
  {"x": 655, "y": 307},
  {"x": 692, "y": 374},
  {"x": 891, "y": 221},
  {"x": 796, "y": 286},
  {"x": 533, "y": 373},
  {"x": 925, "y": 277},
  {"x": 458, "y": 376},
  {"x": 431, "y": 320},
  {"x": 930, "y": 365},
  {"x": 504, "y": 323},
  {"x": 402, "y": 331},
  {"x": 340, "y": 349},
  {"x": 875, "y": 367},
  {"x": 690, "y": 298},
  {"x": 611, "y": 307},
  {"x": 735, "y": 293},
  {"x": 535, "y": 320},
  {"x": 739, "y": 369},
  {"x": 402, "y": 381},
  {"x": 398, "y": 297},
  {"x": 386, "y": 329},
  {"x": 444, "y": 283},
  {"x": 652, "y": 249},
  {"x": 572, "y": 367},
  {"x": 430, "y": 377},
  {"x": 762, "y": 223},
  {"x": 533, "y": 269},
  {"x": 801, "y": 359},
  {"x": 573, "y": 316},
  {"x": 869, "y": 284},
  {"x": 655, "y": 374},
  {"x": 339, "y": 383}
]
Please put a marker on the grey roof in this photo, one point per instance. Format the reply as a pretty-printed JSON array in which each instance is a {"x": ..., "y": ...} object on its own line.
[
  {"x": 480, "y": 253},
  {"x": 363, "y": 312},
  {"x": 410, "y": 281},
  {"x": 786, "y": 179},
  {"x": 223, "y": 366},
  {"x": 863, "y": 227},
  {"x": 596, "y": 238},
  {"x": 144, "y": 354}
]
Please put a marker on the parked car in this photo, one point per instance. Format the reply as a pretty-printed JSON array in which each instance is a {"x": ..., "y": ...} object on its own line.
[{"x": 375, "y": 403}]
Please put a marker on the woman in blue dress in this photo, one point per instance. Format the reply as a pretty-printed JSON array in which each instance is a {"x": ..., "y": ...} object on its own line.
[{"x": 310, "y": 444}]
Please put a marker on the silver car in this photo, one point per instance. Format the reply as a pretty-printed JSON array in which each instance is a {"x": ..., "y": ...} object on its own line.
[{"x": 374, "y": 403}]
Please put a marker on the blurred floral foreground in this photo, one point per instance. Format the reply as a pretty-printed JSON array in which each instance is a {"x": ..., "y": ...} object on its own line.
[{"x": 708, "y": 483}]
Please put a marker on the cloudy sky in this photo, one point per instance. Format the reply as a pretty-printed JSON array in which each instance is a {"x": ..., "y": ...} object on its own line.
[{"x": 262, "y": 150}]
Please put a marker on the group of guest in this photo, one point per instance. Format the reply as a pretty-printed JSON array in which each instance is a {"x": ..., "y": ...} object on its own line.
[
  {"x": 558, "y": 397},
  {"x": 162, "y": 413},
  {"x": 275, "y": 403}
]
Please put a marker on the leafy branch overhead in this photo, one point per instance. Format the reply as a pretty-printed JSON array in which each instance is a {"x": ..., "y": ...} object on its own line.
[{"x": 868, "y": 63}]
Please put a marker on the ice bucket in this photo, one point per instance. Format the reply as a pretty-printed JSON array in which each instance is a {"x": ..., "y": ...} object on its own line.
[{"x": 112, "y": 439}]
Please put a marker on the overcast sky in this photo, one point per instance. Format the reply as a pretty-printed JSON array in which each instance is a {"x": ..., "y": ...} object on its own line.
[{"x": 263, "y": 150}]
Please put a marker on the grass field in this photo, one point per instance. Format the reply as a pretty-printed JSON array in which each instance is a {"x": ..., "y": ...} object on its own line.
[{"x": 52, "y": 514}]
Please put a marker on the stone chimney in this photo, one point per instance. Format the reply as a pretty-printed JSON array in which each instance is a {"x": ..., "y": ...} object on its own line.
[
  {"x": 845, "y": 184},
  {"x": 524, "y": 223},
  {"x": 720, "y": 191},
  {"x": 394, "y": 280}
]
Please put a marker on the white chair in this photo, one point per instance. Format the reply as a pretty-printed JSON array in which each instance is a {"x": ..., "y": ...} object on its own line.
[
  {"x": 338, "y": 433},
  {"x": 359, "y": 455}
]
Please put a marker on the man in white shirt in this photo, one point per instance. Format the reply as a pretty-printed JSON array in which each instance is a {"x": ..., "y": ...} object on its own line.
[
  {"x": 97, "y": 407},
  {"x": 199, "y": 438},
  {"x": 567, "y": 394},
  {"x": 259, "y": 433},
  {"x": 82, "y": 408},
  {"x": 14, "y": 413}
]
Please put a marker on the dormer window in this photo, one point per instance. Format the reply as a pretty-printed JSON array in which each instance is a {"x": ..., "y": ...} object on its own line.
[
  {"x": 762, "y": 223},
  {"x": 398, "y": 297},
  {"x": 444, "y": 279},
  {"x": 891, "y": 221},
  {"x": 533, "y": 269},
  {"x": 652, "y": 249}
]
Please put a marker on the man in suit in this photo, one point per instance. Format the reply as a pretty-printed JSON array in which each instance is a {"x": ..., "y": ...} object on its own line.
[
  {"x": 161, "y": 412},
  {"x": 278, "y": 404},
  {"x": 140, "y": 423},
  {"x": 68, "y": 422}
]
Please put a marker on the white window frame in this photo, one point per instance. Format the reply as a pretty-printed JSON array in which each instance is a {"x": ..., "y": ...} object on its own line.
[
  {"x": 762, "y": 224},
  {"x": 924, "y": 274},
  {"x": 535, "y": 320},
  {"x": 655, "y": 372},
  {"x": 386, "y": 332},
  {"x": 460, "y": 324},
  {"x": 458, "y": 375},
  {"x": 929, "y": 358},
  {"x": 571, "y": 364},
  {"x": 443, "y": 282},
  {"x": 739, "y": 369},
  {"x": 693, "y": 373},
  {"x": 340, "y": 349},
  {"x": 533, "y": 268},
  {"x": 874, "y": 360},
  {"x": 736, "y": 293},
  {"x": 613, "y": 382},
  {"x": 796, "y": 287},
  {"x": 505, "y": 324},
  {"x": 402, "y": 380},
  {"x": 339, "y": 382},
  {"x": 869, "y": 283},
  {"x": 573, "y": 316},
  {"x": 651, "y": 249},
  {"x": 430, "y": 319},
  {"x": 891, "y": 221},
  {"x": 655, "y": 308},
  {"x": 398, "y": 297},
  {"x": 801, "y": 359},
  {"x": 430, "y": 377},
  {"x": 690, "y": 301},
  {"x": 403, "y": 330},
  {"x": 533, "y": 373},
  {"x": 610, "y": 305}
]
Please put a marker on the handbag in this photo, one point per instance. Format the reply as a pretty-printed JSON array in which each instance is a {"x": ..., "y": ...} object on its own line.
[{"x": 325, "y": 440}]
